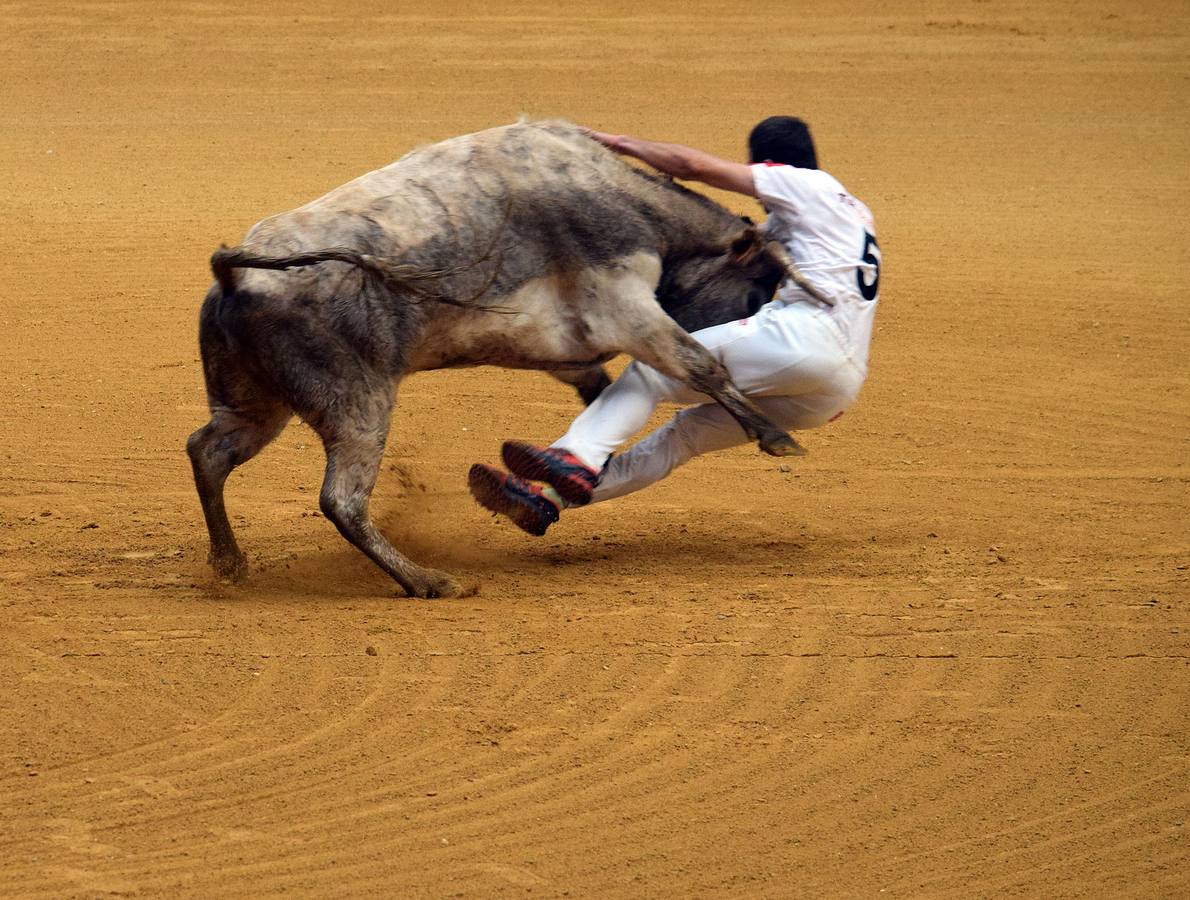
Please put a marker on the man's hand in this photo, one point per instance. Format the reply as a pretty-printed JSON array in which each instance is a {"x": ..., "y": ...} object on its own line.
[{"x": 611, "y": 141}]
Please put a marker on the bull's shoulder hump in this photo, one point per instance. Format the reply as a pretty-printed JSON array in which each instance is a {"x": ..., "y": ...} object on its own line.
[
  {"x": 525, "y": 155},
  {"x": 505, "y": 148}
]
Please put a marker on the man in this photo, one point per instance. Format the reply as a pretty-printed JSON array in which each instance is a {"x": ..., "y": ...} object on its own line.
[{"x": 800, "y": 360}]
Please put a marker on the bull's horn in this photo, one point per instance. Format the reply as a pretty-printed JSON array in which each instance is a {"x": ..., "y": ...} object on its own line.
[{"x": 795, "y": 274}]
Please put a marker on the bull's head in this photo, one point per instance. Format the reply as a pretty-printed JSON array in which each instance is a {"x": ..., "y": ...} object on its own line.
[{"x": 724, "y": 282}]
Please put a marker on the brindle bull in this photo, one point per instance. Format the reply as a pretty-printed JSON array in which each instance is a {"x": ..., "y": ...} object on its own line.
[{"x": 528, "y": 246}]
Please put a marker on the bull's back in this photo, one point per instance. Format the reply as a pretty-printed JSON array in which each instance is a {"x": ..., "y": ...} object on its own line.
[{"x": 460, "y": 192}]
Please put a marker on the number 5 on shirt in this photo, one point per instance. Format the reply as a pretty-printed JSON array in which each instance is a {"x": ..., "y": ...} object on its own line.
[{"x": 871, "y": 256}]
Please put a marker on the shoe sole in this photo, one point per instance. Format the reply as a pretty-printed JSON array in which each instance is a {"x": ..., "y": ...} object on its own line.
[
  {"x": 487, "y": 487},
  {"x": 524, "y": 460}
]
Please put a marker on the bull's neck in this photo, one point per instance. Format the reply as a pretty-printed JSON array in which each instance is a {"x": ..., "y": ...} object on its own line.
[{"x": 688, "y": 223}]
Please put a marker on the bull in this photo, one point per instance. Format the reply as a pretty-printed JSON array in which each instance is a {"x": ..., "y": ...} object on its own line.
[{"x": 528, "y": 246}]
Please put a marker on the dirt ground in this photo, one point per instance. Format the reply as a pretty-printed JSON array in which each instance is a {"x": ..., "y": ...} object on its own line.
[{"x": 944, "y": 655}]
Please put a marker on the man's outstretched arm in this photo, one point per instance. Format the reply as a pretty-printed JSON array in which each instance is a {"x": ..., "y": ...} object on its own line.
[{"x": 683, "y": 162}]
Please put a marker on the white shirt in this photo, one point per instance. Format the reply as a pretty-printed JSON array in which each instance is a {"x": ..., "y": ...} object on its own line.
[{"x": 832, "y": 237}]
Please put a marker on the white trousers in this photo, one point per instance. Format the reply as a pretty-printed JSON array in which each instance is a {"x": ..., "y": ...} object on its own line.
[{"x": 792, "y": 360}]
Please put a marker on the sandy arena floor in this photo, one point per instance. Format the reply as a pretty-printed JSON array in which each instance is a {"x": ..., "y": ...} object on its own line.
[{"x": 944, "y": 655}]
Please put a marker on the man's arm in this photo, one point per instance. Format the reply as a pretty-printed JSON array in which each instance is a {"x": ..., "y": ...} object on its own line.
[{"x": 683, "y": 162}]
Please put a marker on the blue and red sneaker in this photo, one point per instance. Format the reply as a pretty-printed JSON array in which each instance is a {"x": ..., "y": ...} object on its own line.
[
  {"x": 573, "y": 481},
  {"x": 522, "y": 502}
]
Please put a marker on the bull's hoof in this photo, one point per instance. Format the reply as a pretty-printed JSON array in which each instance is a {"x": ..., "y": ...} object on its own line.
[
  {"x": 781, "y": 444},
  {"x": 432, "y": 584},
  {"x": 230, "y": 567}
]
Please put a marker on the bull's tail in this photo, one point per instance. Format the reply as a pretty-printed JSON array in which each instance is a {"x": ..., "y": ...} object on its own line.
[{"x": 410, "y": 280}]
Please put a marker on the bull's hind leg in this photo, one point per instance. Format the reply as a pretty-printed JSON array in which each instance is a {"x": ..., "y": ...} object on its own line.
[
  {"x": 230, "y": 439},
  {"x": 354, "y": 439}
]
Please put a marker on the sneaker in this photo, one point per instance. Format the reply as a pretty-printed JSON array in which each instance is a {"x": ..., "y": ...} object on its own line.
[
  {"x": 573, "y": 481},
  {"x": 522, "y": 502}
]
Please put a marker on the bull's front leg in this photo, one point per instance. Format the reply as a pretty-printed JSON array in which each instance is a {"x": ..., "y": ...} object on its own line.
[
  {"x": 656, "y": 340},
  {"x": 696, "y": 367}
]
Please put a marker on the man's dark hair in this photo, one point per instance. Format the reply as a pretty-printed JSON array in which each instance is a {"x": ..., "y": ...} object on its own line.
[{"x": 783, "y": 139}]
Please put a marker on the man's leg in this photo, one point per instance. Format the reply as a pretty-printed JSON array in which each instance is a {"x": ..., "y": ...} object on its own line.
[
  {"x": 624, "y": 408},
  {"x": 784, "y": 354},
  {"x": 792, "y": 369},
  {"x": 572, "y": 465},
  {"x": 704, "y": 429}
]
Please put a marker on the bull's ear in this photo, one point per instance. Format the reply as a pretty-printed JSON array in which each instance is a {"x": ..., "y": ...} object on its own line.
[{"x": 745, "y": 246}]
